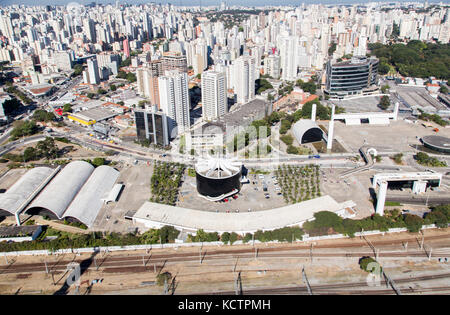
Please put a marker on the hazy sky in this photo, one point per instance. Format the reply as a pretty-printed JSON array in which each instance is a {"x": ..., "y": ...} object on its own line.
[{"x": 197, "y": 2}]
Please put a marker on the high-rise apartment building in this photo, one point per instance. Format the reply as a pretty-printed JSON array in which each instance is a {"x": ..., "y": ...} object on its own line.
[
  {"x": 244, "y": 79},
  {"x": 272, "y": 66},
  {"x": 147, "y": 81},
  {"x": 289, "y": 56},
  {"x": 214, "y": 95},
  {"x": 174, "y": 61},
  {"x": 174, "y": 99},
  {"x": 94, "y": 76},
  {"x": 89, "y": 30},
  {"x": 126, "y": 48}
]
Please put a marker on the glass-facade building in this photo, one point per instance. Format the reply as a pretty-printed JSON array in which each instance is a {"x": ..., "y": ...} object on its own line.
[
  {"x": 152, "y": 126},
  {"x": 353, "y": 77}
]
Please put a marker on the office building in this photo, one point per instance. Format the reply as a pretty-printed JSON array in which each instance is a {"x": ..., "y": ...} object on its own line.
[
  {"x": 352, "y": 77},
  {"x": 152, "y": 126}
]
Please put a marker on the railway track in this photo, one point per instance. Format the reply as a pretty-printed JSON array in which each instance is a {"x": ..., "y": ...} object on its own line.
[
  {"x": 108, "y": 262},
  {"x": 284, "y": 251},
  {"x": 354, "y": 288}
]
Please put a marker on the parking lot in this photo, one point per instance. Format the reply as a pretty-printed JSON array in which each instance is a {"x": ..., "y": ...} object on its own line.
[
  {"x": 361, "y": 104},
  {"x": 251, "y": 196},
  {"x": 418, "y": 97}
]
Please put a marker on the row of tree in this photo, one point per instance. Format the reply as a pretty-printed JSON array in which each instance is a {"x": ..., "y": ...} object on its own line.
[
  {"x": 327, "y": 222},
  {"x": 166, "y": 234}
]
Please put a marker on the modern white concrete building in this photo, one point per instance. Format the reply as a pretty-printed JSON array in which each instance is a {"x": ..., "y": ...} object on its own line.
[
  {"x": 174, "y": 99},
  {"x": 272, "y": 66},
  {"x": 244, "y": 79},
  {"x": 155, "y": 215},
  {"x": 374, "y": 118},
  {"x": 214, "y": 95},
  {"x": 289, "y": 57},
  {"x": 94, "y": 76},
  {"x": 420, "y": 181}
]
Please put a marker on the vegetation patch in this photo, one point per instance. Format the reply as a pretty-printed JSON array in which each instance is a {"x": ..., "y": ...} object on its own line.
[
  {"x": 426, "y": 160},
  {"x": 298, "y": 183},
  {"x": 165, "y": 182}
]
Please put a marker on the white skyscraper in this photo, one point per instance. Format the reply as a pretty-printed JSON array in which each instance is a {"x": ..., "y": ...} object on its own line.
[
  {"x": 272, "y": 66},
  {"x": 94, "y": 77},
  {"x": 214, "y": 94},
  {"x": 244, "y": 79},
  {"x": 174, "y": 99},
  {"x": 289, "y": 56}
]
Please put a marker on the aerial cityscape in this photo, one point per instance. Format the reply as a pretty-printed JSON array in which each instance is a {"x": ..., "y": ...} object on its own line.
[{"x": 224, "y": 148}]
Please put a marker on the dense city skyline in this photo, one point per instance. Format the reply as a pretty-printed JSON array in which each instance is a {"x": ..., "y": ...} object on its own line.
[
  {"x": 143, "y": 142},
  {"x": 204, "y": 3}
]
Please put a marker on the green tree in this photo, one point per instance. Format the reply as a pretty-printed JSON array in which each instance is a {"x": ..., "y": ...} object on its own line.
[
  {"x": 332, "y": 49},
  {"x": 261, "y": 85},
  {"x": 274, "y": 118},
  {"x": 292, "y": 149},
  {"x": 23, "y": 128},
  {"x": 30, "y": 154},
  {"x": 413, "y": 222},
  {"x": 125, "y": 63},
  {"x": 67, "y": 108},
  {"x": 225, "y": 237},
  {"x": 384, "y": 89},
  {"x": 77, "y": 70},
  {"x": 368, "y": 264},
  {"x": 47, "y": 148},
  {"x": 287, "y": 139},
  {"x": 168, "y": 234},
  {"x": 384, "y": 102},
  {"x": 233, "y": 238},
  {"x": 443, "y": 89},
  {"x": 398, "y": 158},
  {"x": 112, "y": 87},
  {"x": 43, "y": 115},
  {"x": 98, "y": 161}
]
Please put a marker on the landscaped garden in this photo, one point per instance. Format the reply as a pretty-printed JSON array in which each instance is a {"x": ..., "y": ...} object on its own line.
[
  {"x": 165, "y": 182},
  {"x": 298, "y": 183}
]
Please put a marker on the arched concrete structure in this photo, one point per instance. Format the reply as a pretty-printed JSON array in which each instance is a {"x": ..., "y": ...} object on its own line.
[{"x": 306, "y": 131}]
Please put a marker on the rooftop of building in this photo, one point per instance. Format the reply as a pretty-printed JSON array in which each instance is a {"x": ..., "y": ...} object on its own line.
[
  {"x": 189, "y": 219},
  {"x": 245, "y": 112},
  {"x": 355, "y": 61}
]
